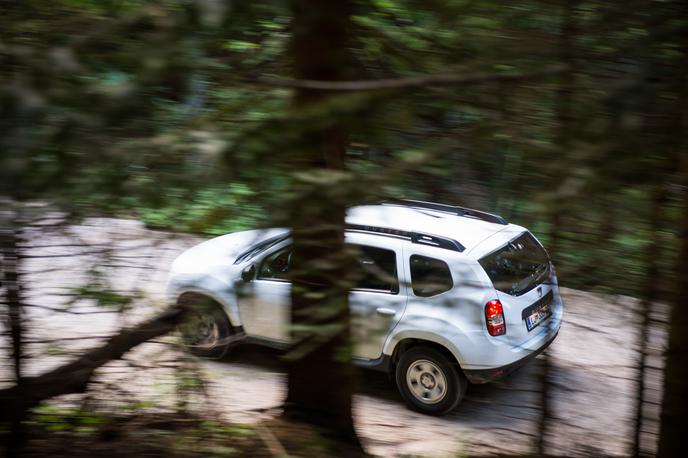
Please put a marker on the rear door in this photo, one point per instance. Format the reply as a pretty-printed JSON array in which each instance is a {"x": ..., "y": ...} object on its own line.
[
  {"x": 520, "y": 272},
  {"x": 379, "y": 297}
]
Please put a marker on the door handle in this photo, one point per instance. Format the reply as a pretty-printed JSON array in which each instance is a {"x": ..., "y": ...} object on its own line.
[{"x": 386, "y": 311}]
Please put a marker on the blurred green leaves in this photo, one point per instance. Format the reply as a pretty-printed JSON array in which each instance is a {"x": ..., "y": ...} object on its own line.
[{"x": 153, "y": 110}]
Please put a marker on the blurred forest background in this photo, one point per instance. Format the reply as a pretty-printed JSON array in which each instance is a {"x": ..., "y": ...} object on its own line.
[{"x": 568, "y": 117}]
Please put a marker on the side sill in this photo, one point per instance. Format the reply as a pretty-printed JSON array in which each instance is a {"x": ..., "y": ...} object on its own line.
[
  {"x": 382, "y": 364},
  {"x": 264, "y": 342}
]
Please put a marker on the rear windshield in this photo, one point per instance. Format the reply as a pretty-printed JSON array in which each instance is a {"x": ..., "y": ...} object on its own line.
[{"x": 518, "y": 267}]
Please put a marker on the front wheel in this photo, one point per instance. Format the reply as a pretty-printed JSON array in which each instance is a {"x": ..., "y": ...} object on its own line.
[
  {"x": 207, "y": 332},
  {"x": 429, "y": 381}
]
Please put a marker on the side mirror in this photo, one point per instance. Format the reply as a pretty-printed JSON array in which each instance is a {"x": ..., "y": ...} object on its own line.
[{"x": 248, "y": 273}]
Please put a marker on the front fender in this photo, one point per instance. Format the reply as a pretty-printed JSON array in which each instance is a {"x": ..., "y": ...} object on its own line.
[{"x": 220, "y": 291}]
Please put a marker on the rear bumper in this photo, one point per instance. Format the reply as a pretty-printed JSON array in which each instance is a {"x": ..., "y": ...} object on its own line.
[{"x": 492, "y": 374}]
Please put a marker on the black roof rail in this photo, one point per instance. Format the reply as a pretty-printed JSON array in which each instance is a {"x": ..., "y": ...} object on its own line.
[
  {"x": 415, "y": 237},
  {"x": 453, "y": 209}
]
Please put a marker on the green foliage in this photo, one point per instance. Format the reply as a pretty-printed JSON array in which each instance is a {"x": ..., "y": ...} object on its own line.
[
  {"x": 155, "y": 433},
  {"x": 55, "y": 418},
  {"x": 214, "y": 210},
  {"x": 102, "y": 296},
  {"x": 152, "y": 110}
]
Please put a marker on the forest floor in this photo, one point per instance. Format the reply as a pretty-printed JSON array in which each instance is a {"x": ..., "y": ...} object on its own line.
[{"x": 593, "y": 359}]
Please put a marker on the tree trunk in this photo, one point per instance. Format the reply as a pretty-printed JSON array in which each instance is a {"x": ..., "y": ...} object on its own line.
[
  {"x": 564, "y": 116},
  {"x": 11, "y": 282},
  {"x": 320, "y": 377},
  {"x": 674, "y": 416}
]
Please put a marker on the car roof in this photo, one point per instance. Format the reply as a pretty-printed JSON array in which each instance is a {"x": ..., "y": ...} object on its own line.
[
  {"x": 476, "y": 237},
  {"x": 468, "y": 231}
]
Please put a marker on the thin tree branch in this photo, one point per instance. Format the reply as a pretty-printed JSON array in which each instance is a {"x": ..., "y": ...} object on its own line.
[{"x": 414, "y": 81}]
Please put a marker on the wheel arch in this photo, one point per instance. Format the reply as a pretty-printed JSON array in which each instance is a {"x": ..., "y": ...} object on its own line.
[
  {"x": 191, "y": 293},
  {"x": 402, "y": 342}
]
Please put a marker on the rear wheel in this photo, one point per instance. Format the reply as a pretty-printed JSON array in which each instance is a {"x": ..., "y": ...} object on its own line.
[
  {"x": 429, "y": 381},
  {"x": 207, "y": 331}
]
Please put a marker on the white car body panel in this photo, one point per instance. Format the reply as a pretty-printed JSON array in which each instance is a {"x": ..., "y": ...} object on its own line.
[
  {"x": 264, "y": 308},
  {"x": 380, "y": 321}
]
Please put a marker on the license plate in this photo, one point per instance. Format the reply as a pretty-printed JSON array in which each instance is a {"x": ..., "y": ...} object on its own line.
[{"x": 537, "y": 316}]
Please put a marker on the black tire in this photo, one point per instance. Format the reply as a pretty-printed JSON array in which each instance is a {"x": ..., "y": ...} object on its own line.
[
  {"x": 431, "y": 370},
  {"x": 207, "y": 332}
]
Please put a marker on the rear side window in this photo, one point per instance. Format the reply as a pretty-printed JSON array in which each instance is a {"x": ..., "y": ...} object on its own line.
[
  {"x": 429, "y": 276},
  {"x": 377, "y": 270},
  {"x": 518, "y": 267}
]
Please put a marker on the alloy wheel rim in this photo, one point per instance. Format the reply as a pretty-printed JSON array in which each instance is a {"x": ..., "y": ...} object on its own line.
[
  {"x": 202, "y": 332},
  {"x": 426, "y": 381}
]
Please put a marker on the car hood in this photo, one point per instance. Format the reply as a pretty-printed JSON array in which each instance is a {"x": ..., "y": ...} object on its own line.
[{"x": 219, "y": 251}]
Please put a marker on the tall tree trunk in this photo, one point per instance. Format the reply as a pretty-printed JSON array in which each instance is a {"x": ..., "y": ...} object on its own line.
[
  {"x": 674, "y": 416},
  {"x": 11, "y": 283},
  {"x": 564, "y": 116},
  {"x": 320, "y": 376}
]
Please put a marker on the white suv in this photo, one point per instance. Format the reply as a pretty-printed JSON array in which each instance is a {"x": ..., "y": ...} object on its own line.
[{"x": 445, "y": 295}]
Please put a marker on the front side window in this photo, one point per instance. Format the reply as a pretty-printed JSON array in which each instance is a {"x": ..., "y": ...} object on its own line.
[
  {"x": 429, "y": 276},
  {"x": 377, "y": 270},
  {"x": 276, "y": 266}
]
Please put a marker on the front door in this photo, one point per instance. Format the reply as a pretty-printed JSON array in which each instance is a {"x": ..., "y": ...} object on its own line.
[
  {"x": 377, "y": 301},
  {"x": 264, "y": 303}
]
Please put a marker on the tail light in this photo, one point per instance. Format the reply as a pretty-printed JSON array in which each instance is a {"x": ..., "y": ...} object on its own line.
[{"x": 494, "y": 318}]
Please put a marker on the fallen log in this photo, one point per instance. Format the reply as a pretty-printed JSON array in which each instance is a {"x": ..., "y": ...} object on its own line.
[{"x": 74, "y": 377}]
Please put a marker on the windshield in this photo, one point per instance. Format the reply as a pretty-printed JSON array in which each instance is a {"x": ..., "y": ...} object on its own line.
[
  {"x": 255, "y": 250},
  {"x": 517, "y": 267}
]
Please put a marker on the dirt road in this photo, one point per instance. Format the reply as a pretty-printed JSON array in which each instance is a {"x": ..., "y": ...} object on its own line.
[{"x": 593, "y": 358}]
